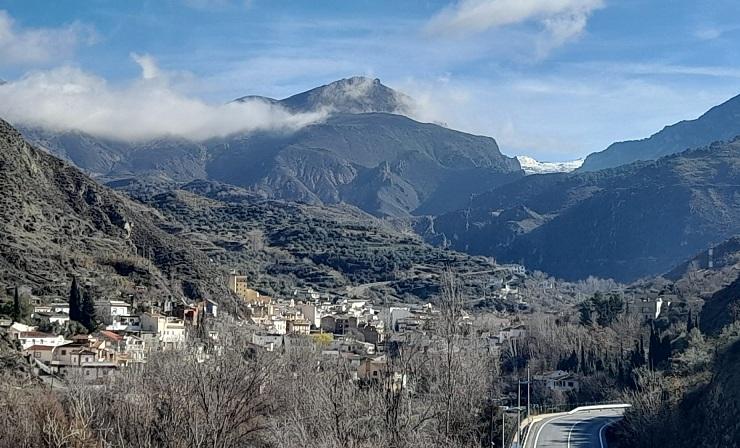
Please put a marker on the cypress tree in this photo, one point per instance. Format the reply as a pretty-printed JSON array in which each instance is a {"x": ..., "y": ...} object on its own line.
[
  {"x": 16, "y": 306},
  {"x": 87, "y": 315},
  {"x": 75, "y": 301}
]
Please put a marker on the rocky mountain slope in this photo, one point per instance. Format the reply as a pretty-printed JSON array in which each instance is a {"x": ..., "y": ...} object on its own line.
[
  {"x": 633, "y": 221},
  {"x": 719, "y": 123},
  {"x": 56, "y": 222},
  {"x": 281, "y": 246},
  {"x": 364, "y": 154}
]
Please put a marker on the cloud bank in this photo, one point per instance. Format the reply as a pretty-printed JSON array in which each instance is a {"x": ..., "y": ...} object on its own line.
[
  {"x": 68, "y": 98},
  {"x": 40, "y": 45},
  {"x": 560, "y": 20}
]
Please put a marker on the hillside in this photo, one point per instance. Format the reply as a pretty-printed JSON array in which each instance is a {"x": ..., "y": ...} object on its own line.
[
  {"x": 281, "y": 246},
  {"x": 363, "y": 154},
  {"x": 723, "y": 255},
  {"x": 633, "y": 221},
  {"x": 719, "y": 123},
  {"x": 57, "y": 222}
]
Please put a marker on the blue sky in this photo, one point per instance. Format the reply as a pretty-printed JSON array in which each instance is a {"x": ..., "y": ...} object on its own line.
[{"x": 555, "y": 79}]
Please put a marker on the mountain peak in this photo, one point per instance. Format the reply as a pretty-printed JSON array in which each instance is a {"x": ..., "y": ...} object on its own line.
[
  {"x": 354, "y": 95},
  {"x": 357, "y": 94}
]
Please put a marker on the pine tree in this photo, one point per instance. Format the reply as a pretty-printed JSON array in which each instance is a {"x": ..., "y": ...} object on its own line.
[
  {"x": 689, "y": 323},
  {"x": 16, "y": 306}
]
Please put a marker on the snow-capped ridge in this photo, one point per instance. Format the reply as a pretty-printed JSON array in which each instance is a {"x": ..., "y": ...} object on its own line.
[{"x": 532, "y": 166}]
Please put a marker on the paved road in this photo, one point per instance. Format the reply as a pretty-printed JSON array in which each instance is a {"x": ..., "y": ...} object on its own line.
[{"x": 579, "y": 430}]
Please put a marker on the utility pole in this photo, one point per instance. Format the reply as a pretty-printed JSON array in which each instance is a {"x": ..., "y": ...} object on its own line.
[
  {"x": 518, "y": 411},
  {"x": 528, "y": 381}
]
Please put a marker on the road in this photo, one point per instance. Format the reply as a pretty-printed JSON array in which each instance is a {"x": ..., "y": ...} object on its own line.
[{"x": 583, "y": 429}]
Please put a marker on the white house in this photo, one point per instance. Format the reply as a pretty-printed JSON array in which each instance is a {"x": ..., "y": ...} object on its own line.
[
  {"x": 52, "y": 317},
  {"x": 58, "y": 307},
  {"x": 31, "y": 338},
  {"x": 170, "y": 331},
  {"x": 559, "y": 381},
  {"x": 278, "y": 325},
  {"x": 129, "y": 324},
  {"x": 108, "y": 310}
]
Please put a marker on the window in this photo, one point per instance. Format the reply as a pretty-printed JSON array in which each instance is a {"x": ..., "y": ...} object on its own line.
[
  {"x": 37, "y": 354},
  {"x": 64, "y": 352}
]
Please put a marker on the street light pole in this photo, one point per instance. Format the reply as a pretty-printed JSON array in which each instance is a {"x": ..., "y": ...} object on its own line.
[{"x": 503, "y": 428}]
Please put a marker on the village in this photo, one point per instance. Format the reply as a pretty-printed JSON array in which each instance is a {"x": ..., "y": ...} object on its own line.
[{"x": 351, "y": 328}]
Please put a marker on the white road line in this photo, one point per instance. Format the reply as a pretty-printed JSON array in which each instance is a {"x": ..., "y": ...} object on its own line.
[
  {"x": 601, "y": 432},
  {"x": 537, "y": 437},
  {"x": 545, "y": 422},
  {"x": 573, "y": 427}
]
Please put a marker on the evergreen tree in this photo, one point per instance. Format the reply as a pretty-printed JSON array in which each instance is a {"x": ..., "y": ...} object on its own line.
[
  {"x": 665, "y": 350},
  {"x": 584, "y": 364},
  {"x": 638, "y": 356},
  {"x": 75, "y": 301},
  {"x": 653, "y": 348},
  {"x": 586, "y": 314},
  {"x": 16, "y": 306},
  {"x": 87, "y": 312},
  {"x": 689, "y": 323}
]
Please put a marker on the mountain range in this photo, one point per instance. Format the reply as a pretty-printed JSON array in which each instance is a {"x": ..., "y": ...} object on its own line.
[
  {"x": 180, "y": 240},
  {"x": 624, "y": 223},
  {"x": 364, "y": 153},
  {"x": 636, "y": 209},
  {"x": 719, "y": 123}
]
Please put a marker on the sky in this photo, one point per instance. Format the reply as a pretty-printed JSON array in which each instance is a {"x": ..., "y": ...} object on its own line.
[{"x": 553, "y": 79}]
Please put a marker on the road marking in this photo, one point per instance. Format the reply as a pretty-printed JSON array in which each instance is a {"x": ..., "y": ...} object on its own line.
[
  {"x": 573, "y": 427},
  {"x": 537, "y": 436},
  {"x": 601, "y": 432},
  {"x": 545, "y": 422}
]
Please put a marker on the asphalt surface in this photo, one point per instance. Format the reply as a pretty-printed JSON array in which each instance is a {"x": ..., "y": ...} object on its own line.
[{"x": 580, "y": 430}]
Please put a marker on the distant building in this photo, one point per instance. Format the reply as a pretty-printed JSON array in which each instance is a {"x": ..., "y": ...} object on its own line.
[
  {"x": 170, "y": 331},
  {"x": 239, "y": 285},
  {"x": 559, "y": 381},
  {"x": 52, "y": 317},
  {"x": 31, "y": 338},
  {"x": 649, "y": 308},
  {"x": 108, "y": 310},
  {"x": 59, "y": 307}
]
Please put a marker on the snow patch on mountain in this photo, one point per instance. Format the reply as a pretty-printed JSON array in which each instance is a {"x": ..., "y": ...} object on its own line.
[{"x": 532, "y": 166}]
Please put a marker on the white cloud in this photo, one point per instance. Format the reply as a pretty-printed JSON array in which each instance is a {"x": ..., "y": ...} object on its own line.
[
  {"x": 149, "y": 69},
  {"x": 39, "y": 45},
  {"x": 68, "y": 98},
  {"x": 560, "y": 20},
  {"x": 561, "y": 116}
]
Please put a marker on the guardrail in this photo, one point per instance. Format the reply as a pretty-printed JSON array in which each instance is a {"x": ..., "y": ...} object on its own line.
[{"x": 600, "y": 407}]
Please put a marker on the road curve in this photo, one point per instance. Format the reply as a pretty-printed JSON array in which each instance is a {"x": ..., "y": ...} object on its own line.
[{"x": 584, "y": 429}]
